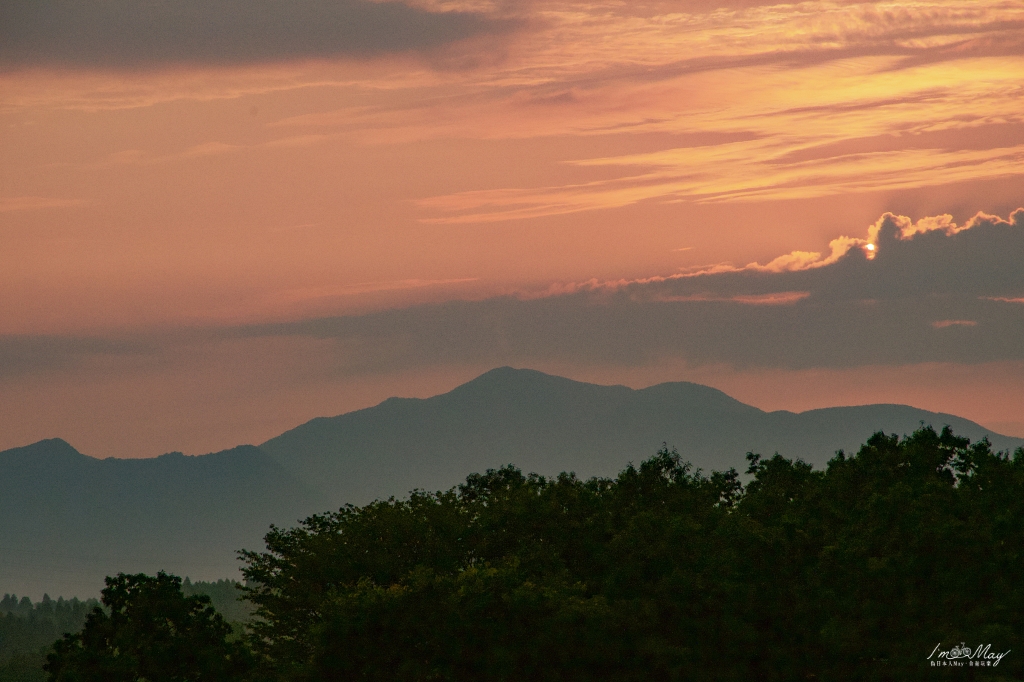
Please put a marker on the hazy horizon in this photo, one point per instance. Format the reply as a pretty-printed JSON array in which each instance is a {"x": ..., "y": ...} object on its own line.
[
  {"x": 220, "y": 220},
  {"x": 634, "y": 387}
]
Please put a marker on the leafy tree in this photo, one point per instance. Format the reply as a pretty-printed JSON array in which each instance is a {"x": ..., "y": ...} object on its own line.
[
  {"x": 152, "y": 632},
  {"x": 27, "y": 632},
  {"x": 664, "y": 573},
  {"x": 854, "y": 572},
  {"x": 506, "y": 577},
  {"x": 226, "y": 597}
]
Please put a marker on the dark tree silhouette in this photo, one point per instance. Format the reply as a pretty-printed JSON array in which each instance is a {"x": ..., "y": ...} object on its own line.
[
  {"x": 855, "y": 572},
  {"x": 862, "y": 571},
  {"x": 153, "y": 633}
]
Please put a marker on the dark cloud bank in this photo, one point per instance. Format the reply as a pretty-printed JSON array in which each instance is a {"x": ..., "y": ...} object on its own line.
[
  {"x": 141, "y": 33},
  {"x": 930, "y": 297},
  {"x": 937, "y": 296}
]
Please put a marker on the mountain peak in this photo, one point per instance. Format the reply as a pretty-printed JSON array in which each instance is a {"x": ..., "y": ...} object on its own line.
[
  {"x": 511, "y": 376},
  {"x": 48, "y": 450},
  {"x": 548, "y": 424}
]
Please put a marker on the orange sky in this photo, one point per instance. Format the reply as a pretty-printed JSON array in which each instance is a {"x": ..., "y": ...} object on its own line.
[{"x": 159, "y": 200}]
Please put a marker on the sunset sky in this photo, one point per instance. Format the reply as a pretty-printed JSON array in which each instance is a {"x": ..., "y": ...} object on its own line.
[{"x": 222, "y": 218}]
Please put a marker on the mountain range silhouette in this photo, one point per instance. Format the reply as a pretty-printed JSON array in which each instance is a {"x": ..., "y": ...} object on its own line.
[{"x": 67, "y": 519}]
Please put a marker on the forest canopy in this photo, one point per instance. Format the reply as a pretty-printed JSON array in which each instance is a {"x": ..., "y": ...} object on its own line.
[
  {"x": 663, "y": 573},
  {"x": 28, "y": 630},
  {"x": 881, "y": 566}
]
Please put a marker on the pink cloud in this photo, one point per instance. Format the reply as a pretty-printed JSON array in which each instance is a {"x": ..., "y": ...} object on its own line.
[
  {"x": 777, "y": 298},
  {"x": 942, "y": 324},
  {"x": 907, "y": 228},
  {"x": 902, "y": 228}
]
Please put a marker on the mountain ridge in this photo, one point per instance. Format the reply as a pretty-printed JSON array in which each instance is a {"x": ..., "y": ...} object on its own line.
[
  {"x": 67, "y": 519},
  {"x": 522, "y": 416}
]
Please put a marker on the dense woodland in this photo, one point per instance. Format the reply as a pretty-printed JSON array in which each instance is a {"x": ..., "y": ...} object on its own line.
[
  {"x": 28, "y": 630},
  {"x": 867, "y": 570},
  {"x": 225, "y": 598}
]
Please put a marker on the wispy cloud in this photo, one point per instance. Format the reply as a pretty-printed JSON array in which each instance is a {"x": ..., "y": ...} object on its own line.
[
  {"x": 27, "y": 355},
  {"x": 777, "y": 298},
  {"x": 890, "y": 233},
  {"x": 794, "y": 101},
  {"x": 756, "y": 170},
  {"x": 942, "y": 324},
  {"x": 928, "y": 295},
  {"x": 316, "y": 293},
  {"x": 899, "y": 307},
  {"x": 829, "y": 98}
]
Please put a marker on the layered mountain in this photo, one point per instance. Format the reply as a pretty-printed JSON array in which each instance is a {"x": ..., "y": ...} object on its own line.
[
  {"x": 550, "y": 424},
  {"x": 67, "y": 520}
]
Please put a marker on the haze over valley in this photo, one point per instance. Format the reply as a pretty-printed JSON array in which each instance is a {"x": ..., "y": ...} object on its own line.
[
  {"x": 478, "y": 324},
  {"x": 69, "y": 519}
]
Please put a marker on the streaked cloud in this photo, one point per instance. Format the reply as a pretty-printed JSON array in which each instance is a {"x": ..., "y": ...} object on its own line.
[
  {"x": 778, "y": 298},
  {"x": 293, "y": 296},
  {"x": 822, "y": 99},
  {"x": 484, "y": 182},
  {"x": 942, "y": 324},
  {"x": 39, "y": 355},
  {"x": 766, "y": 168},
  {"x": 932, "y": 292},
  {"x": 930, "y": 302}
]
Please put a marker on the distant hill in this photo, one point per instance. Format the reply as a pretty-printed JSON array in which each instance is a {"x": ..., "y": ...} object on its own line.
[
  {"x": 67, "y": 520},
  {"x": 550, "y": 424}
]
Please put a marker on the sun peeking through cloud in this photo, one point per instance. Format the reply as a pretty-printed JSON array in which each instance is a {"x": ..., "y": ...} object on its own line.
[
  {"x": 933, "y": 296},
  {"x": 483, "y": 142},
  {"x": 889, "y": 228},
  {"x": 353, "y": 188}
]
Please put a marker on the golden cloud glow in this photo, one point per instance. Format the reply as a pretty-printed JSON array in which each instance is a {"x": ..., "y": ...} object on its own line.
[
  {"x": 905, "y": 229},
  {"x": 829, "y": 107},
  {"x": 778, "y": 298},
  {"x": 1004, "y": 299},
  {"x": 942, "y": 324},
  {"x": 574, "y": 152},
  {"x": 658, "y": 114}
]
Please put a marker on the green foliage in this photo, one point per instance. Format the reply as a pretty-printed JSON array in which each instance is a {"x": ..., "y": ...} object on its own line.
[
  {"x": 225, "y": 596},
  {"x": 28, "y": 630},
  {"x": 151, "y": 632},
  {"x": 664, "y": 573},
  {"x": 24, "y": 667}
]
